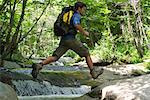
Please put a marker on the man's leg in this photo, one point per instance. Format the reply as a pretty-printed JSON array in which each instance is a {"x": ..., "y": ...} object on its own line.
[
  {"x": 82, "y": 51},
  {"x": 50, "y": 59},
  {"x": 89, "y": 62},
  {"x": 56, "y": 55},
  {"x": 94, "y": 71},
  {"x": 38, "y": 67}
]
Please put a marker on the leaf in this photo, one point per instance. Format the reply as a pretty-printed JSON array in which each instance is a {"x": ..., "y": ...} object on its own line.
[
  {"x": 33, "y": 39},
  {"x": 120, "y": 0}
]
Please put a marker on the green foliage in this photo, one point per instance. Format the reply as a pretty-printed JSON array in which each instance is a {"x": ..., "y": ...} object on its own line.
[
  {"x": 147, "y": 65},
  {"x": 147, "y": 54},
  {"x": 71, "y": 54},
  {"x": 104, "y": 20},
  {"x": 41, "y": 41},
  {"x": 104, "y": 49}
]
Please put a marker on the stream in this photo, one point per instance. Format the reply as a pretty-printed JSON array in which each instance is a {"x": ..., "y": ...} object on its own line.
[
  {"x": 29, "y": 89},
  {"x": 61, "y": 82}
]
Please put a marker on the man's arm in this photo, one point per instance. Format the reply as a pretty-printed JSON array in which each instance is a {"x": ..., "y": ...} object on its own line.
[{"x": 79, "y": 27}]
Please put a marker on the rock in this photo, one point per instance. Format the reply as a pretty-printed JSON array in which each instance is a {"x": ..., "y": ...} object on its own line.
[
  {"x": 7, "y": 93},
  {"x": 57, "y": 63},
  {"x": 115, "y": 92},
  {"x": 5, "y": 78},
  {"x": 99, "y": 62},
  {"x": 136, "y": 88},
  {"x": 66, "y": 60},
  {"x": 95, "y": 59},
  {"x": 63, "y": 61},
  {"x": 147, "y": 60},
  {"x": 81, "y": 64},
  {"x": 128, "y": 70},
  {"x": 1, "y": 62},
  {"x": 9, "y": 64}
]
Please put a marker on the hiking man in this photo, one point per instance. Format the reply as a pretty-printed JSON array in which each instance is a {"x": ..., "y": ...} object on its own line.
[{"x": 69, "y": 41}]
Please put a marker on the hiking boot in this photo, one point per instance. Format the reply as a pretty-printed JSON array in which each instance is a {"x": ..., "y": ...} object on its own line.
[
  {"x": 35, "y": 70},
  {"x": 95, "y": 72}
]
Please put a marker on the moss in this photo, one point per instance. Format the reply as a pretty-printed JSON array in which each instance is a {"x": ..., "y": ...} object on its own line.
[
  {"x": 64, "y": 78},
  {"x": 92, "y": 83},
  {"x": 75, "y": 74}
]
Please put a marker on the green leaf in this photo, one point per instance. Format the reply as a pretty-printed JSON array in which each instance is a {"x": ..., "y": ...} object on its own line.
[{"x": 33, "y": 39}]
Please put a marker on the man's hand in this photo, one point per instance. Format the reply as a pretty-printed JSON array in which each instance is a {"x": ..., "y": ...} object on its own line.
[
  {"x": 79, "y": 27},
  {"x": 86, "y": 33}
]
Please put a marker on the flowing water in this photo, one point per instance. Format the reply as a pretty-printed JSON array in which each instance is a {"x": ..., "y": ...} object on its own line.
[
  {"x": 44, "y": 90},
  {"x": 32, "y": 88},
  {"x": 48, "y": 97}
]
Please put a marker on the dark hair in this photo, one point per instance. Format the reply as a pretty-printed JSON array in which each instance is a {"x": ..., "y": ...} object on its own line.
[{"x": 79, "y": 4}]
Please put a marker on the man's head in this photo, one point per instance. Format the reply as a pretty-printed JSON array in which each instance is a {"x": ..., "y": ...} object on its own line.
[{"x": 80, "y": 7}]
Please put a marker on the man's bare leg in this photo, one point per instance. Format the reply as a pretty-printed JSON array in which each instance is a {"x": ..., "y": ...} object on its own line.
[
  {"x": 89, "y": 62},
  {"x": 50, "y": 59},
  {"x": 38, "y": 67},
  {"x": 95, "y": 72}
]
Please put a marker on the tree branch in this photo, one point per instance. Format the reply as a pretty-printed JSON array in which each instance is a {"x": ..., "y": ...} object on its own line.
[
  {"x": 34, "y": 24},
  {"x": 2, "y": 7},
  {"x": 13, "y": 43},
  {"x": 11, "y": 21}
]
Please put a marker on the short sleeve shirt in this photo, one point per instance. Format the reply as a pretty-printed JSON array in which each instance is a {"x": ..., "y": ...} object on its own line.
[{"x": 76, "y": 18}]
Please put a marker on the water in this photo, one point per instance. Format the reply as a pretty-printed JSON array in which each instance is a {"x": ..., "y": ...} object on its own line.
[
  {"x": 29, "y": 90},
  {"x": 52, "y": 68},
  {"x": 49, "y": 97},
  {"x": 44, "y": 90}
]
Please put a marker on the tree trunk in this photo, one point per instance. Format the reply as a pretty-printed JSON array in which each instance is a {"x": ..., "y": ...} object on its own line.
[{"x": 138, "y": 33}]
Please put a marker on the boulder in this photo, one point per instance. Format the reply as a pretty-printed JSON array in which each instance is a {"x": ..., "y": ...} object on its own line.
[
  {"x": 7, "y": 93},
  {"x": 5, "y": 78},
  {"x": 136, "y": 88},
  {"x": 115, "y": 92}
]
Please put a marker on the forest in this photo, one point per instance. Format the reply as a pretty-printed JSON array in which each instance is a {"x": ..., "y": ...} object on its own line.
[
  {"x": 119, "y": 29},
  {"x": 118, "y": 42}
]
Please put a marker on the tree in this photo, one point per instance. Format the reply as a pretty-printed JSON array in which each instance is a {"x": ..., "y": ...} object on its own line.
[{"x": 12, "y": 16}]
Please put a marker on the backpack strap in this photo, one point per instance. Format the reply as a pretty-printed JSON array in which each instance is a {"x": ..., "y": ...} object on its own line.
[{"x": 67, "y": 16}]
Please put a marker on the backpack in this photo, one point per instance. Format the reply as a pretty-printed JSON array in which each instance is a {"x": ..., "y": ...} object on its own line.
[{"x": 62, "y": 25}]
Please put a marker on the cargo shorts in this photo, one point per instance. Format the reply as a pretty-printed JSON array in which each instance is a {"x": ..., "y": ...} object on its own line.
[{"x": 72, "y": 44}]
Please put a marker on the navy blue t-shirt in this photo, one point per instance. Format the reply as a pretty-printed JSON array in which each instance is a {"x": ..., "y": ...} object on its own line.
[{"x": 75, "y": 20}]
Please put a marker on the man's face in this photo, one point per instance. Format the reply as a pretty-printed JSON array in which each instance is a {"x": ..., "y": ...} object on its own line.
[{"x": 82, "y": 11}]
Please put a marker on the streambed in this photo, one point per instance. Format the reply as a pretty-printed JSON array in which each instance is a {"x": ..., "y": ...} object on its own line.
[{"x": 57, "y": 82}]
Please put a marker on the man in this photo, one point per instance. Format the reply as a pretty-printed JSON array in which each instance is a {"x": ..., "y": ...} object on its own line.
[{"x": 69, "y": 41}]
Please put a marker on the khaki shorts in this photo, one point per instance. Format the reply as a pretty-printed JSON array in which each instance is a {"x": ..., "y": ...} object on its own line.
[{"x": 72, "y": 44}]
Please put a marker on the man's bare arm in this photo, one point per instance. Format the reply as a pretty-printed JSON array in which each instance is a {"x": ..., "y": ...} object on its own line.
[{"x": 79, "y": 27}]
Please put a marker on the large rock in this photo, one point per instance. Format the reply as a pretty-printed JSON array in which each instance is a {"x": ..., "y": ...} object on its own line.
[
  {"x": 115, "y": 92},
  {"x": 136, "y": 88},
  {"x": 7, "y": 93},
  {"x": 130, "y": 89}
]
